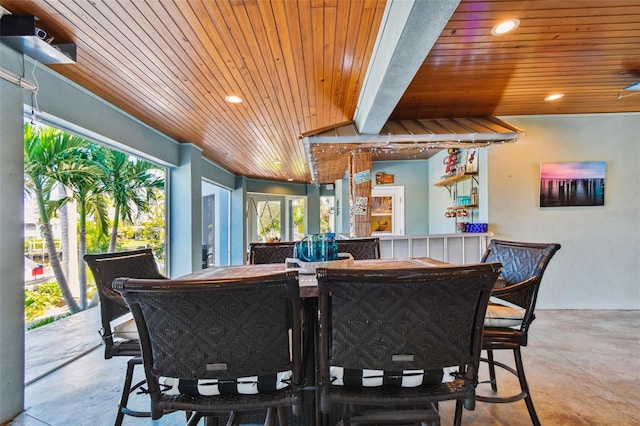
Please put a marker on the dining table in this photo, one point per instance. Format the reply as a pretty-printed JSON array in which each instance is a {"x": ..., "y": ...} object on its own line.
[{"x": 307, "y": 282}]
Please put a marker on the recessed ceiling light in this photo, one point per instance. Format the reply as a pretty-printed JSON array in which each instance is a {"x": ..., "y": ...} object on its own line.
[
  {"x": 505, "y": 27},
  {"x": 554, "y": 97},
  {"x": 233, "y": 99},
  {"x": 290, "y": 180}
]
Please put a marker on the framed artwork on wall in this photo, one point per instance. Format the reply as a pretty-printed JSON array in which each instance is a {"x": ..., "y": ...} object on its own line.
[
  {"x": 572, "y": 184},
  {"x": 471, "y": 165}
]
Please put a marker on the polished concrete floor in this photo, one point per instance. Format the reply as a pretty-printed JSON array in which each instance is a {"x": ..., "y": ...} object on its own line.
[{"x": 582, "y": 366}]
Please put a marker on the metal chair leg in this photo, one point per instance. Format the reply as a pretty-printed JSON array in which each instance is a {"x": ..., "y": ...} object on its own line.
[
  {"x": 283, "y": 419},
  {"x": 525, "y": 387},
  {"x": 126, "y": 391},
  {"x": 270, "y": 419},
  {"x": 492, "y": 370},
  {"x": 457, "y": 419}
]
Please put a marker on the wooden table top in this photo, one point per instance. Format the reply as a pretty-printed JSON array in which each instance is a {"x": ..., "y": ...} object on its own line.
[{"x": 308, "y": 283}]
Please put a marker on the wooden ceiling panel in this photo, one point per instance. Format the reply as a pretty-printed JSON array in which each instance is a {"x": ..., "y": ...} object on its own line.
[
  {"x": 588, "y": 50},
  {"x": 300, "y": 66}
]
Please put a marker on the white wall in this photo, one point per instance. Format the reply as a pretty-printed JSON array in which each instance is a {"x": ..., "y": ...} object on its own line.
[{"x": 597, "y": 266}]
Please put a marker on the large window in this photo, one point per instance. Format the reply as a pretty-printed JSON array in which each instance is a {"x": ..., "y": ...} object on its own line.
[
  {"x": 297, "y": 218},
  {"x": 275, "y": 218}
]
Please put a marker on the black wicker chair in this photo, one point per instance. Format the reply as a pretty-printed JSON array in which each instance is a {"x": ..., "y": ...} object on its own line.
[
  {"x": 396, "y": 322},
  {"x": 360, "y": 248},
  {"x": 260, "y": 253},
  {"x": 215, "y": 339},
  {"x": 118, "y": 329},
  {"x": 510, "y": 315}
]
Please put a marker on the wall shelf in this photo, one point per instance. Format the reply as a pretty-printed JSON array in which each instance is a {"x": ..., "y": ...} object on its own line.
[
  {"x": 451, "y": 180},
  {"x": 470, "y": 206},
  {"x": 19, "y": 33}
]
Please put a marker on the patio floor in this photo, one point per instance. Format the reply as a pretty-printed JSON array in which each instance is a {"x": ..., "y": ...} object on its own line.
[{"x": 582, "y": 368}]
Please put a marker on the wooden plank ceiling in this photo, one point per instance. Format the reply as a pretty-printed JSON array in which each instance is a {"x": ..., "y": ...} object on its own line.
[
  {"x": 300, "y": 65},
  {"x": 586, "y": 49}
]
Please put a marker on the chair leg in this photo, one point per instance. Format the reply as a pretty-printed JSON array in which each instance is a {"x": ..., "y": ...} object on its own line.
[
  {"x": 457, "y": 419},
  {"x": 194, "y": 419},
  {"x": 525, "y": 387},
  {"x": 269, "y": 419},
  {"x": 210, "y": 421},
  {"x": 234, "y": 419},
  {"x": 283, "y": 419},
  {"x": 492, "y": 370},
  {"x": 126, "y": 391},
  {"x": 346, "y": 415}
]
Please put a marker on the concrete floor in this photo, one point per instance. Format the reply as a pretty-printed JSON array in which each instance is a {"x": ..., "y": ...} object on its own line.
[{"x": 582, "y": 367}]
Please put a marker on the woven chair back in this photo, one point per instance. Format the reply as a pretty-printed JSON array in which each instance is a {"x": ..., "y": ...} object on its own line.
[
  {"x": 433, "y": 317},
  {"x": 261, "y": 253},
  {"x": 360, "y": 248},
  {"x": 521, "y": 261},
  {"x": 105, "y": 267},
  {"x": 215, "y": 328}
]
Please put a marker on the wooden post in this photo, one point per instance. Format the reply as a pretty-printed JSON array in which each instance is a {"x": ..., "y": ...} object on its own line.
[{"x": 360, "y": 194}]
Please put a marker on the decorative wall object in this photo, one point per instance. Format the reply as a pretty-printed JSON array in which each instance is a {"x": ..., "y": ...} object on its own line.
[
  {"x": 471, "y": 166},
  {"x": 361, "y": 206},
  {"x": 572, "y": 184},
  {"x": 383, "y": 178},
  {"x": 362, "y": 177},
  {"x": 451, "y": 163}
]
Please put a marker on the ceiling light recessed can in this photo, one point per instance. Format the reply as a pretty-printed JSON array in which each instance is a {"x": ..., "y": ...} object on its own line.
[
  {"x": 233, "y": 99},
  {"x": 505, "y": 26},
  {"x": 554, "y": 97}
]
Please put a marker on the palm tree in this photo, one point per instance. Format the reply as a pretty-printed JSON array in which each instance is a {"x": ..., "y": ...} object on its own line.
[
  {"x": 46, "y": 162},
  {"x": 88, "y": 191},
  {"x": 132, "y": 184}
]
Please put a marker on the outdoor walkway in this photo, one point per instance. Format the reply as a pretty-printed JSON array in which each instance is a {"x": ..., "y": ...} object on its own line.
[{"x": 56, "y": 344}]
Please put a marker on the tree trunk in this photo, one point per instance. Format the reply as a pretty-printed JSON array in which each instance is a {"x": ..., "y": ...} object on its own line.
[
  {"x": 82, "y": 249},
  {"x": 54, "y": 260},
  {"x": 114, "y": 229},
  {"x": 64, "y": 232}
]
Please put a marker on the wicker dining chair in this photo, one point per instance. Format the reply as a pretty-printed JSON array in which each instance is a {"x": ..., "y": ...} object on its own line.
[
  {"x": 511, "y": 311},
  {"x": 260, "y": 253},
  {"x": 389, "y": 339},
  {"x": 360, "y": 248},
  {"x": 118, "y": 330},
  {"x": 218, "y": 348}
]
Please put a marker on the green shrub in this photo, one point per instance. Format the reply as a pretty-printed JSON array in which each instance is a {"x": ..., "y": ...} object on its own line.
[
  {"x": 47, "y": 320},
  {"x": 41, "y": 298},
  {"x": 47, "y": 296}
]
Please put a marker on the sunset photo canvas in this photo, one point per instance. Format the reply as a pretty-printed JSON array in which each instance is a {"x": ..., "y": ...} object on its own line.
[{"x": 572, "y": 184}]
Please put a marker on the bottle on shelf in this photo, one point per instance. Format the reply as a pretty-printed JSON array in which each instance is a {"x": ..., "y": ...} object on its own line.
[{"x": 474, "y": 196}]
